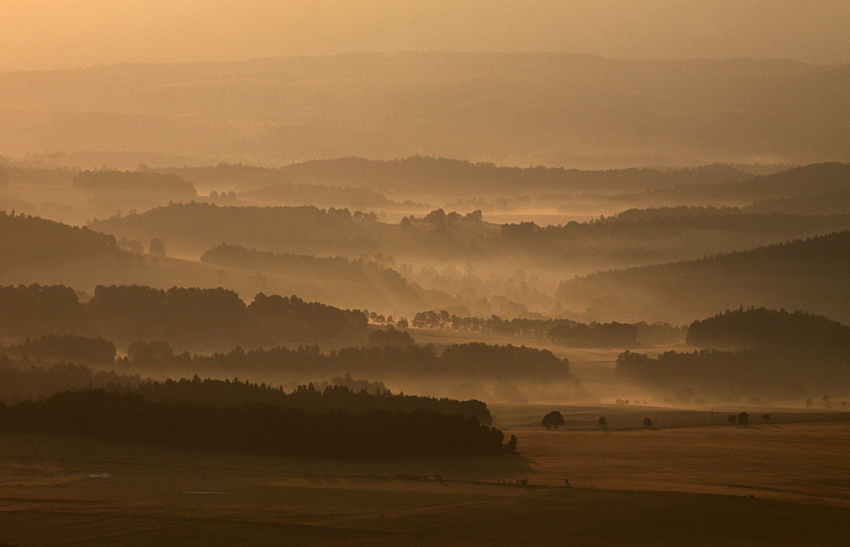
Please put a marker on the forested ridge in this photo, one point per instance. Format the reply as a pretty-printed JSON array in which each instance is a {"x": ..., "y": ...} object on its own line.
[
  {"x": 184, "y": 316},
  {"x": 445, "y": 175}
]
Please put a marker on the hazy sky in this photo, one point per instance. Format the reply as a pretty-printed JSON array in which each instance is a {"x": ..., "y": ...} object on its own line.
[{"x": 45, "y": 34}]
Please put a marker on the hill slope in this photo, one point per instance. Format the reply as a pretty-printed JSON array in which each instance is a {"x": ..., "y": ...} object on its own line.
[{"x": 809, "y": 275}]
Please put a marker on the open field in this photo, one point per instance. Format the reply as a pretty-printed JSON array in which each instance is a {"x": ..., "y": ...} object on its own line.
[{"x": 763, "y": 485}]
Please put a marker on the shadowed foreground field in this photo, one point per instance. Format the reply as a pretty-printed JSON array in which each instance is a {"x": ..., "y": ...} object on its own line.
[{"x": 687, "y": 486}]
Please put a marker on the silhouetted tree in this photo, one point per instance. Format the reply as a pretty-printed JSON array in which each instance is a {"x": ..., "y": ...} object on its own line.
[
  {"x": 743, "y": 418},
  {"x": 510, "y": 447},
  {"x": 552, "y": 420},
  {"x": 765, "y": 418},
  {"x": 603, "y": 423},
  {"x": 647, "y": 423}
]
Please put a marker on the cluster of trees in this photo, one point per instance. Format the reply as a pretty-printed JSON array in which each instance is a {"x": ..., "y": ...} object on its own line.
[
  {"x": 390, "y": 337},
  {"x": 27, "y": 240},
  {"x": 144, "y": 181},
  {"x": 562, "y": 331},
  {"x": 255, "y": 427},
  {"x": 762, "y": 327},
  {"x": 188, "y": 316},
  {"x": 33, "y": 310},
  {"x": 440, "y": 219},
  {"x": 464, "y": 361}
]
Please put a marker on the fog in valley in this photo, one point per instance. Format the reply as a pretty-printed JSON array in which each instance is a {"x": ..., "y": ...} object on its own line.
[{"x": 323, "y": 269}]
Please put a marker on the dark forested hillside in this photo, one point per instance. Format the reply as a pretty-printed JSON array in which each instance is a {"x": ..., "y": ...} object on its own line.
[
  {"x": 761, "y": 328},
  {"x": 27, "y": 240},
  {"x": 736, "y": 376},
  {"x": 305, "y": 397},
  {"x": 809, "y": 275}
]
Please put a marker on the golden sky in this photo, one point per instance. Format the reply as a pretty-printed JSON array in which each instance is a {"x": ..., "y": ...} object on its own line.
[{"x": 47, "y": 34}]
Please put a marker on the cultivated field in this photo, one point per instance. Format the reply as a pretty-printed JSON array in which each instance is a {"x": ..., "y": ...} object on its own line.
[{"x": 784, "y": 484}]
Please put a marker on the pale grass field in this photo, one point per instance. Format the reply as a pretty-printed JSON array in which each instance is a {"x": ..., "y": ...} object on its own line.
[{"x": 675, "y": 486}]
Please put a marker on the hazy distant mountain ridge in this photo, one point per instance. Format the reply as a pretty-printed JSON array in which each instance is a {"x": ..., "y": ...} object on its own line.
[{"x": 514, "y": 109}]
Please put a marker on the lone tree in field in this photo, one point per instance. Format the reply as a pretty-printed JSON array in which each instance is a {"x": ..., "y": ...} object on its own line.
[
  {"x": 765, "y": 418},
  {"x": 552, "y": 420},
  {"x": 647, "y": 423},
  {"x": 743, "y": 418},
  {"x": 603, "y": 423}
]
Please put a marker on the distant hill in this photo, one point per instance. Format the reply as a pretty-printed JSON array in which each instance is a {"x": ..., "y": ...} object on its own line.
[
  {"x": 375, "y": 282},
  {"x": 800, "y": 183},
  {"x": 809, "y": 275},
  {"x": 134, "y": 181},
  {"x": 448, "y": 176}
]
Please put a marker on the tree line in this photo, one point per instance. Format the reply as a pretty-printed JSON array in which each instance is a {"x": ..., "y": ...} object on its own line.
[
  {"x": 458, "y": 361},
  {"x": 566, "y": 332},
  {"x": 306, "y": 397},
  {"x": 24, "y": 378},
  {"x": 64, "y": 347}
]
